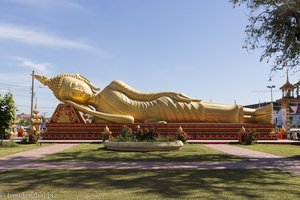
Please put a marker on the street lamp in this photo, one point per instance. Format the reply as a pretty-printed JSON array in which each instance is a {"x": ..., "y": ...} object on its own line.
[{"x": 271, "y": 87}]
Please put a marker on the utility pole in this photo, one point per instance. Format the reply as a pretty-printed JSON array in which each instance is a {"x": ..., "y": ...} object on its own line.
[
  {"x": 271, "y": 87},
  {"x": 32, "y": 97}
]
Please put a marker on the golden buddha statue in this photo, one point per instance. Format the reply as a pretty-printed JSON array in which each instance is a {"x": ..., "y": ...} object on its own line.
[{"x": 119, "y": 103}]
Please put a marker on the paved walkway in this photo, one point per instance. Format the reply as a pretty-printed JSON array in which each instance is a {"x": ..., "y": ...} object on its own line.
[
  {"x": 255, "y": 160},
  {"x": 26, "y": 158},
  {"x": 259, "y": 159}
]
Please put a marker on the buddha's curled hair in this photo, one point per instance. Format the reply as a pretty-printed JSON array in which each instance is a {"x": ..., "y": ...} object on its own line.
[{"x": 55, "y": 83}]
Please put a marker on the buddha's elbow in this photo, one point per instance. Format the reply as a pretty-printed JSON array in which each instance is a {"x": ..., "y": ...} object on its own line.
[{"x": 128, "y": 119}]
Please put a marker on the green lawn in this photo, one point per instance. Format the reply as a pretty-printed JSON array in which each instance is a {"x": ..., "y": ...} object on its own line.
[
  {"x": 285, "y": 150},
  {"x": 97, "y": 152},
  {"x": 151, "y": 184},
  {"x": 18, "y": 148}
]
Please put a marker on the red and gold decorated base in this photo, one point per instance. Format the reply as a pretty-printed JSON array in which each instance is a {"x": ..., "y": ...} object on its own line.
[
  {"x": 69, "y": 124},
  {"x": 195, "y": 131}
]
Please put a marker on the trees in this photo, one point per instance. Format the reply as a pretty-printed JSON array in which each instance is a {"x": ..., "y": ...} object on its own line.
[
  {"x": 24, "y": 122},
  {"x": 7, "y": 113},
  {"x": 274, "y": 26}
]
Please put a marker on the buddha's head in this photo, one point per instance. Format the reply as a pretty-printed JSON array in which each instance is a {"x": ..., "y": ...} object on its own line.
[{"x": 72, "y": 87}]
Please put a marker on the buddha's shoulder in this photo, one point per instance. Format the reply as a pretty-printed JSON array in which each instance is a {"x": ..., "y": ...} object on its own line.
[{"x": 117, "y": 83}]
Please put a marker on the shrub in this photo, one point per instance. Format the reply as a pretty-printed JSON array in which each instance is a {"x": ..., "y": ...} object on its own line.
[
  {"x": 181, "y": 135},
  {"x": 25, "y": 140},
  {"x": 9, "y": 144},
  {"x": 33, "y": 138},
  {"x": 149, "y": 134},
  {"x": 127, "y": 135},
  {"x": 139, "y": 133},
  {"x": 106, "y": 134},
  {"x": 248, "y": 137}
]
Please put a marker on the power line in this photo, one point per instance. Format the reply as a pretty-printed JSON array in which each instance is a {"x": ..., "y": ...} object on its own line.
[
  {"x": 11, "y": 88},
  {"x": 12, "y": 85},
  {"x": 27, "y": 106},
  {"x": 18, "y": 95}
]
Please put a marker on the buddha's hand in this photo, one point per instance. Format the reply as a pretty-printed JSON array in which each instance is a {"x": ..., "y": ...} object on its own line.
[
  {"x": 183, "y": 98},
  {"x": 101, "y": 115}
]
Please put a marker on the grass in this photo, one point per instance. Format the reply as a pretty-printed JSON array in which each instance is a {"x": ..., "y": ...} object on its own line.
[
  {"x": 151, "y": 184},
  {"x": 7, "y": 150},
  {"x": 284, "y": 150},
  {"x": 97, "y": 152}
]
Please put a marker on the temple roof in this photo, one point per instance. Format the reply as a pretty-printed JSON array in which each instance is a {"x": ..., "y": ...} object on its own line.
[
  {"x": 297, "y": 84},
  {"x": 287, "y": 85}
]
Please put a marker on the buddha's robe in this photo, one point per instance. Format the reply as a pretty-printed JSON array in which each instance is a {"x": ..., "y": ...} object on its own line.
[{"x": 119, "y": 98}]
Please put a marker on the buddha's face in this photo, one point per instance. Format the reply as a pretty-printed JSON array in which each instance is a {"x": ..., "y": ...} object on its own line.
[{"x": 75, "y": 90}]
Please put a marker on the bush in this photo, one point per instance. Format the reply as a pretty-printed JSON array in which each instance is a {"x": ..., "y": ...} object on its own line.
[
  {"x": 106, "y": 134},
  {"x": 25, "y": 139},
  {"x": 149, "y": 134},
  {"x": 139, "y": 135},
  {"x": 33, "y": 138},
  {"x": 181, "y": 135},
  {"x": 248, "y": 137},
  {"x": 125, "y": 135},
  {"x": 9, "y": 144}
]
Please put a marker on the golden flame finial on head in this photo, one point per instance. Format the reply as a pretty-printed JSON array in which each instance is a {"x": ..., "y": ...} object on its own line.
[
  {"x": 43, "y": 79},
  {"x": 55, "y": 83}
]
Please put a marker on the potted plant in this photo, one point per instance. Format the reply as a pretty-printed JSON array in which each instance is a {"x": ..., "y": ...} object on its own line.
[{"x": 141, "y": 140}]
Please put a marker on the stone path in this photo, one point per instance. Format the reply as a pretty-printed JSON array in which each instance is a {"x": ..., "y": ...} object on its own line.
[
  {"x": 255, "y": 160},
  {"x": 259, "y": 159},
  {"x": 25, "y": 158},
  {"x": 241, "y": 152}
]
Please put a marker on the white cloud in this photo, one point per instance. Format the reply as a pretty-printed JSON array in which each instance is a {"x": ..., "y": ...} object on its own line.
[
  {"x": 28, "y": 36},
  {"x": 49, "y": 3},
  {"x": 41, "y": 67},
  {"x": 19, "y": 84}
]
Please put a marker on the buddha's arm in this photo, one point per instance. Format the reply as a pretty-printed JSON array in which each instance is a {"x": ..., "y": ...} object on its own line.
[
  {"x": 105, "y": 116},
  {"x": 147, "y": 96}
]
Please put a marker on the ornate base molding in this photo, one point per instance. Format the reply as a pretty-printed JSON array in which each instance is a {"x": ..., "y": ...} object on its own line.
[{"x": 195, "y": 131}]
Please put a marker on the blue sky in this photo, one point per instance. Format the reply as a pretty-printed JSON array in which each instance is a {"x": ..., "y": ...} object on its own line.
[{"x": 193, "y": 47}]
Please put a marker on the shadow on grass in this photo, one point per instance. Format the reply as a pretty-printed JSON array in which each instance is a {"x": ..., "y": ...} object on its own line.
[
  {"x": 133, "y": 157},
  {"x": 297, "y": 157},
  {"x": 190, "y": 153},
  {"x": 16, "y": 149},
  {"x": 209, "y": 184},
  {"x": 294, "y": 157}
]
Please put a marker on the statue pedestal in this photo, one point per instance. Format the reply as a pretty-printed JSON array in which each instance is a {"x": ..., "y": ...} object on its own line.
[
  {"x": 69, "y": 124},
  {"x": 195, "y": 131}
]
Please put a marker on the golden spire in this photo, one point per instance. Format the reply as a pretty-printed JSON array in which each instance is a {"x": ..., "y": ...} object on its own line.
[
  {"x": 53, "y": 83},
  {"x": 43, "y": 79}
]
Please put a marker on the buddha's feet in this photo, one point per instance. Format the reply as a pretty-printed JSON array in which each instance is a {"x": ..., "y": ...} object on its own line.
[{"x": 264, "y": 115}]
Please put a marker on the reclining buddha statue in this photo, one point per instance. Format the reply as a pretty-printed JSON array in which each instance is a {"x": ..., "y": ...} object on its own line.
[{"x": 119, "y": 103}]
